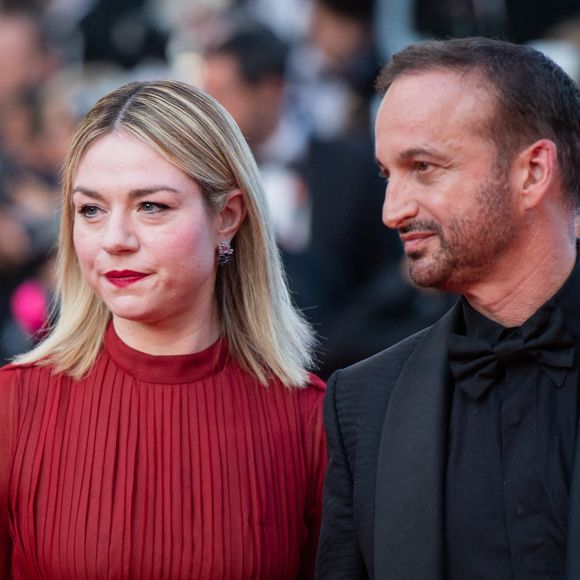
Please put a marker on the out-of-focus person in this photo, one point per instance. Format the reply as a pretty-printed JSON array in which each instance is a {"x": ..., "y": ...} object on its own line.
[
  {"x": 28, "y": 200},
  {"x": 342, "y": 33}
]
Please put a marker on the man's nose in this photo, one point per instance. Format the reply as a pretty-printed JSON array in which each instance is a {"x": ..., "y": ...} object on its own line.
[
  {"x": 400, "y": 205},
  {"x": 119, "y": 236}
]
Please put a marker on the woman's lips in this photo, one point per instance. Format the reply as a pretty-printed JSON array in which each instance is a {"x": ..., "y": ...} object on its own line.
[{"x": 122, "y": 278}]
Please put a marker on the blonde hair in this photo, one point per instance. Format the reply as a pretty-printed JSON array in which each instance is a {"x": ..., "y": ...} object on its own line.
[{"x": 266, "y": 334}]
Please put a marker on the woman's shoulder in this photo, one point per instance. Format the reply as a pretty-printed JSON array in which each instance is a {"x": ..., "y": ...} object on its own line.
[
  {"x": 314, "y": 397},
  {"x": 12, "y": 373},
  {"x": 316, "y": 383},
  {"x": 313, "y": 388},
  {"x": 311, "y": 394},
  {"x": 10, "y": 381},
  {"x": 9, "y": 373}
]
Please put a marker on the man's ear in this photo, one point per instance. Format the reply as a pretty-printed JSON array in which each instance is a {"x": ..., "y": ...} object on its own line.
[
  {"x": 230, "y": 218},
  {"x": 534, "y": 171}
]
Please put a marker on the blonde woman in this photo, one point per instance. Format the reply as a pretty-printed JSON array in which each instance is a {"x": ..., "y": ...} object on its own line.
[{"x": 166, "y": 427}]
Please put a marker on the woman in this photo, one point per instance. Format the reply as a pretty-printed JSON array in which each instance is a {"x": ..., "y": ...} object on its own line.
[{"x": 166, "y": 428}]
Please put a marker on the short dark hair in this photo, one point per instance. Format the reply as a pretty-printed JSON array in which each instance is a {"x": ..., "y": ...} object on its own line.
[
  {"x": 259, "y": 52},
  {"x": 361, "y": 10},
  {"x": 535, "y": 98}
]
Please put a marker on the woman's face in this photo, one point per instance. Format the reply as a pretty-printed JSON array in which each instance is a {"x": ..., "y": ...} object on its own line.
[{"x": 144, "y": 239}]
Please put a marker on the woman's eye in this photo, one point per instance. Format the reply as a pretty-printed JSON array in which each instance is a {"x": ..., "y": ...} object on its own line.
[
  {"x": 152, "y": 207},
  {"x": 88, "y": 211}
]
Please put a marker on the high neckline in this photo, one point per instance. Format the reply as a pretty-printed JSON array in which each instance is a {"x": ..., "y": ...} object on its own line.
[{"x": 166, "y": 369}]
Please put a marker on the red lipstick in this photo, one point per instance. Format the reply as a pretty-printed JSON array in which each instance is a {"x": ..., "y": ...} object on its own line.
[{"x": 122, "y": 278}]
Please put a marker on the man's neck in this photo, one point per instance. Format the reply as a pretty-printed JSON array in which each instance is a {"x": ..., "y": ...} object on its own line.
[{"x": 515, "y": 292}]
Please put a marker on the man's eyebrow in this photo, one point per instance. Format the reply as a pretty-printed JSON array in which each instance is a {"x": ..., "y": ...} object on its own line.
[
  {"x": 133, "y": 194},
  {"x": 417, "y": 152},
  {"x": 414, "y": 152}
]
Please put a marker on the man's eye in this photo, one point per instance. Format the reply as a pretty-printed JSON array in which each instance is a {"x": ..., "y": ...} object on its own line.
[
  {"x": 423, "y": 166},
  {"x": 88, "y": 211}
]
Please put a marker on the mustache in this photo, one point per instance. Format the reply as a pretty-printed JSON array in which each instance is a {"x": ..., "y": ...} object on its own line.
[{"x": 421, "y": 226}]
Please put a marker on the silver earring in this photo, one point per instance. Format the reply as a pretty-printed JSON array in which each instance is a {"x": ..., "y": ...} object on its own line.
[{"x": 225, "y": 252}]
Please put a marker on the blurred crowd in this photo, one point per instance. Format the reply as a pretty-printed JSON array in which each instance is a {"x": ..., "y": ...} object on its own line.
[{"x": 297, "y": 76}]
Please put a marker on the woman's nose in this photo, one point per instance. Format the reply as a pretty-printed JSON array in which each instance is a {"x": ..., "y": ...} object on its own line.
[{"x": 119, "y": 236}]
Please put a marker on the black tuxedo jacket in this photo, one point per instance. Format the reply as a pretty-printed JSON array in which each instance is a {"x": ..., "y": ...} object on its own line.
[{"x": 386, "y": 420}]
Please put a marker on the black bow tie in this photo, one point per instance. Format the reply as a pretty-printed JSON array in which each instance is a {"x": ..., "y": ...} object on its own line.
[{"x": 543, "y": 338}]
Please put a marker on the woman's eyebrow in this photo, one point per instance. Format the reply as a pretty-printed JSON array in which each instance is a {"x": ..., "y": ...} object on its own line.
[{"x": 133, "y": 194}]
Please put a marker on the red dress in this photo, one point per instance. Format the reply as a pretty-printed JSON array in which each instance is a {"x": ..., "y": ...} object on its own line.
[{"x": 158, "y": 467}]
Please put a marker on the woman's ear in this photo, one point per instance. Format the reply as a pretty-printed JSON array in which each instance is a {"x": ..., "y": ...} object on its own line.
[{"x": 230, "y": 218}]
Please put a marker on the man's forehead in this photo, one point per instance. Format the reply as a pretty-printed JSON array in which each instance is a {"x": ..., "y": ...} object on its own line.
[
  {"x": 442, "y": 112},
  {"x": 440, "y": 84},
  {"x": 437, "y": 99}
]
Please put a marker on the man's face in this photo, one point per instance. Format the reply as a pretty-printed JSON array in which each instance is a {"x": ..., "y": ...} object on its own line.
[
  {"x": 255, "y": 108},
  {"x": 21, "y": 61},
  {"x": 446, "y": 196}
]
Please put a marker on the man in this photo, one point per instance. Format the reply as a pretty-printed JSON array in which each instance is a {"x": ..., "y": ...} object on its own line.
[
  {"x": 453, "y": 454},
  {"x": 341, "y": 31}
]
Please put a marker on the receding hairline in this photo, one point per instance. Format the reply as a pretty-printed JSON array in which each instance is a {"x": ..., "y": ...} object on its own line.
[
  {"x": 477, "y": 74},
  {"x": 477, "y": 82}
]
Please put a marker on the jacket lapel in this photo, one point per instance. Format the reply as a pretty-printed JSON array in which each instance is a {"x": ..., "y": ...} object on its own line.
[{"x": 409, "y": 495}]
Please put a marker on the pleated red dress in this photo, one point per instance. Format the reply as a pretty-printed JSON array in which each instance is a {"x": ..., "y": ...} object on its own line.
[{"x": 158, "y": 467}]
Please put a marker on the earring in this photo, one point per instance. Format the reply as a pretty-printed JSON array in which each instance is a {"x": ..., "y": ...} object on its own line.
[{"x": 225, "y": 252}]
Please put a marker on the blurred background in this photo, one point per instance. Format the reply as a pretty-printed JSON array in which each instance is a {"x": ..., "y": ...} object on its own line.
[{"x": 297, "y": 76}]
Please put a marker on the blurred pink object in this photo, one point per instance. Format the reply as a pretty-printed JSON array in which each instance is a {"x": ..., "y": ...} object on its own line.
[{"x": 29, "y": 305}]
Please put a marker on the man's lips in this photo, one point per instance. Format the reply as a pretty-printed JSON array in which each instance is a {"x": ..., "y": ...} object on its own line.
[
  {"x": 123, "y": 278},
  {"x": 414, "y": 241}
]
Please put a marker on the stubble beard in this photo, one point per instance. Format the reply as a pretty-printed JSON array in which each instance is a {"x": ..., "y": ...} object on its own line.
[{"x": 470, "y": 244}]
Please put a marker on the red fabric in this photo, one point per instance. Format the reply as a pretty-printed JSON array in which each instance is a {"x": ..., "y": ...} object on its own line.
[{"x": 158, "y": 467}]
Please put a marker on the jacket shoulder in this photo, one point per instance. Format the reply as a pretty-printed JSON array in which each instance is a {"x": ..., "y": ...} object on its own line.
[
  {"x": 385, "y": 363},
  {"x": 359, "y": 394}
]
